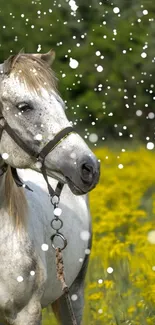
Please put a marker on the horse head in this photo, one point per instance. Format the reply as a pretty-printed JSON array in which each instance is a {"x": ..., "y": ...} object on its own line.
[{"x": 32, "y": 107}]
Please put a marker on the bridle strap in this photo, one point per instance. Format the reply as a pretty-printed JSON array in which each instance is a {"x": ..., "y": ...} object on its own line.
[
  {"x": 19, "y": 141},
  {"x": 39, "y": 156},
  {"x": 57, "y": 139},
  {"x": 52, "y": 192}
]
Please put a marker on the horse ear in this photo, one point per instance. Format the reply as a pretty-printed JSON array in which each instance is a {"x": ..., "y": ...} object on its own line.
[
  {"x": 8, "y": 64},
  {"x": 47, "y": 57},
  {"x": 6, "y": 67}
]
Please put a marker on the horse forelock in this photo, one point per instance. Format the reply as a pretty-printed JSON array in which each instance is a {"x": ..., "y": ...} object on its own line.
[
  {"x": 34, "y": 72},
  {"x": 16, "y": 202}
]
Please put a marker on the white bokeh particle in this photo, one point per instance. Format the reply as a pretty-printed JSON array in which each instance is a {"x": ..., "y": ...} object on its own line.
[
  {"x": 110, "y": 270},
  {"x": 87, "y": 251},
  {"x": 150, "y": 145},
  {"x": 99, "y": 68},
  {"x": 20, "y": 278},
  {"x": 116, "y": 10},
  {"x": 151, "y": 115},
  {"x": 57, "y": 212},
  {"x": 120, "y": 166},
  {"x": 73, "y": 5},
  {"x": 44, "y": 247},
  {"x": 5, "y": 155},
  {"x": 139, "y": 112},
  {"x": 38, "y": 164},
  {"x": 80, "y": 259},
  {"x": 73, "y": 63},
  {"x": 93, "y": 137},
  {"x": 145, "y": 12},
  {"x": 85, "y": 235},
  {"x": 151, "y": 236},
  {"x": 74, "y": 297},
  {"x": 38, "y": 137},
  {"x": 143, "y": 55},
  {"x": 98, "y": 53}
]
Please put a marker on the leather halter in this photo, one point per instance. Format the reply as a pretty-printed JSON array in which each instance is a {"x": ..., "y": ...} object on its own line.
[{"x": 40, "y": 157}]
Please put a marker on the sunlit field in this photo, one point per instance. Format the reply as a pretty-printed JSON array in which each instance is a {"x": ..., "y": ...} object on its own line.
[{"x": 120, "y": 284}]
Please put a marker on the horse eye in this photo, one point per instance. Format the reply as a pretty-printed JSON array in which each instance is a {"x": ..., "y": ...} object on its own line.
[{"x": 24, "y": 107}]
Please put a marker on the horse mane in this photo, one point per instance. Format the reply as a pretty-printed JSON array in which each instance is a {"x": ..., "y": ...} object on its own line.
[
  {"x": 33, "y": 71},
  {"x": 16, "y": 202},
  {"x": 36, "y": 74}
]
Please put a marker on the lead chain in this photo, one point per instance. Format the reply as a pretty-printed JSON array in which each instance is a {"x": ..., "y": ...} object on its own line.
[
  {"x": 59, "y": 258},
  {"x": 57, "y": 224}
]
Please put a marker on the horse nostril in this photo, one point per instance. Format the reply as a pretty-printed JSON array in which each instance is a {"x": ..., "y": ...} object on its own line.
[{"x": 86, "y": 172}]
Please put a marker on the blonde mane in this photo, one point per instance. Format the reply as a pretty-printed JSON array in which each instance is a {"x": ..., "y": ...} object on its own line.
[
  {"x": 16, "y": 203},
  {"x": 33, "y": 71},
  {"x": 36, "y": 73}
]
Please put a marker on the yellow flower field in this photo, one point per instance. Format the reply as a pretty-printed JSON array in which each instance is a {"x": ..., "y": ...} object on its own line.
[{"x": 120, "y": 284}]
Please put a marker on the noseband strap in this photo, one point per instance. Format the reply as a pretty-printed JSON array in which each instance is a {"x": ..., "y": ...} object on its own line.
[{"x": 39, "y": 156}]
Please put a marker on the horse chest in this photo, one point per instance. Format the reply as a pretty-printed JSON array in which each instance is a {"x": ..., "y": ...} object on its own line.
[{"x": 21, "y": 271}]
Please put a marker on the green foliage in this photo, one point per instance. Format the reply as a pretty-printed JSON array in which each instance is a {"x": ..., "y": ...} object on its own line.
[{"x": 124, "y": 74}]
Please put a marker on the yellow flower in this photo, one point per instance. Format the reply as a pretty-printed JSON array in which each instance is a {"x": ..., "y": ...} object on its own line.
[{"x": 131, "y": 309}]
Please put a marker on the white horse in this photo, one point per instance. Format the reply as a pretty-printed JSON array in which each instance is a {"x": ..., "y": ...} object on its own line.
[{"x": 32, "y": 114}]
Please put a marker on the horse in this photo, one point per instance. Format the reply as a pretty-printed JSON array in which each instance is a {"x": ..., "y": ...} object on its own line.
[{"x": 32, "y": 115}]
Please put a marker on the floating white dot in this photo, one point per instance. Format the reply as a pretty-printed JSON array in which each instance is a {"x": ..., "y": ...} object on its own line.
[
  {"x": 80, "y": 259},
  {"x": 87, "y": 251},
  {"x": 57, "y": 212},
  {"x": 145, "y": 12},
  {"x": 73, "y": 63},
  {"x": 38, "y": 164},
  {"x": 44, "y": 247},
  {"x": 5, "y": 155},
  {"x": 73, "y": 155},
  {"x": 85, "y": 235},
  {"x": 74, "y": 297},
  {"x": 143, "y": 55},
  {"x": 99, "y": 68},
  {"x": 93, "y": 137},
  {"x": 73, "y": 5},
  {"x": 120, "y": 166},
  {"x": 98, "y": 53},
  {"x": 110, "y": 270},
  {"x": 100, "y": 311},
  {"x": 100, "y": 281},
  {"x": 150, "y": 145},
  {"x": 139, "y": 112},
  {"x": 116, "y": 10},
  {"x": 32, "y": 273},
  {"x": 151, "y": 236},
  {"x": 20, "y": 278},
  {"x": 151, "y": 115},
  {"x": 38, "y": 137}
]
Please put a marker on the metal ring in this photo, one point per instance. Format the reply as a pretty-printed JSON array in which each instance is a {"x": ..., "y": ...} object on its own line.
[
  {"x": 58, "y": 234},
  {"x": 61, "y": 224},
  {"x": 55, "y": 203}
]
